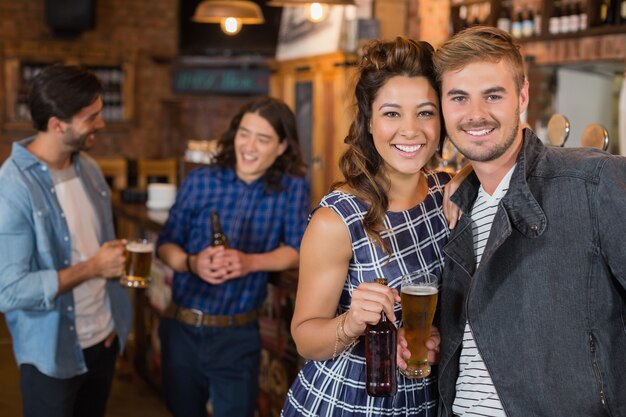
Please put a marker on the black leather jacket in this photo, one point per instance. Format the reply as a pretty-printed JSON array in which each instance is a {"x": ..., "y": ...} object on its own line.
[{"x": 547, "y": 305}]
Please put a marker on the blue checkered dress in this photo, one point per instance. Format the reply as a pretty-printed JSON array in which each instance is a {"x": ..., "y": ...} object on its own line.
[{"x": 337, "y": 387}]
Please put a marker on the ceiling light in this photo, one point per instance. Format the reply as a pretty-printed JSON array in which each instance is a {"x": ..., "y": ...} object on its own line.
[{"x": 230, "y": 14}]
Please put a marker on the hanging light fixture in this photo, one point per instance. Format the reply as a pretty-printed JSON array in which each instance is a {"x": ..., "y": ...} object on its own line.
[
  {"x": 314, "y": 11},
  {"x": 230, "y": 14}
]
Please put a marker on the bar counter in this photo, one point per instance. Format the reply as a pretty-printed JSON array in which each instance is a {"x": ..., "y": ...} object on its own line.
[{"x": 280, "y": 362}]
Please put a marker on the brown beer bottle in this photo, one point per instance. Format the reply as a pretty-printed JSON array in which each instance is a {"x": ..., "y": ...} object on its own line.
[
  {"x": 380, "y": 356},
  {"x": 219, "y": 238}
]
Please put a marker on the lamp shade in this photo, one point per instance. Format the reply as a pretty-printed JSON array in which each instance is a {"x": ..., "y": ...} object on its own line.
[{"x": 215, "y": 11}]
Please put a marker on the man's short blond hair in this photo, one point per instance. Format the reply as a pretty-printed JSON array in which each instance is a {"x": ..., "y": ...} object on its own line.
[{"x": 479, "y": 44}]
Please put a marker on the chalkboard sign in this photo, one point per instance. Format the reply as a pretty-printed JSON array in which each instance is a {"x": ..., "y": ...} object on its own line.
[{"x": 221, "y": 80}]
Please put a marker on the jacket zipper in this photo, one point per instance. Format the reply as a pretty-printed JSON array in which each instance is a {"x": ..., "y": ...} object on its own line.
[{"x": 596, "y": 369}]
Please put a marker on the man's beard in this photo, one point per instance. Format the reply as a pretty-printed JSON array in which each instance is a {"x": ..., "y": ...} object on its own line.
[
  {"x": 479, "y": 153},
  {"x": 79, "y": 143}
]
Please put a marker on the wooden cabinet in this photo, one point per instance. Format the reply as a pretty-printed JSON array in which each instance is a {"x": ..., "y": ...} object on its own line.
[
  {"x": 22, "y": 62},
  {"x": 320, "y": 90}
]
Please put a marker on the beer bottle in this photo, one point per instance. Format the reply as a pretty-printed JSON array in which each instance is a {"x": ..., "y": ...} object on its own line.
[
  {"x": 516, "y": 26},
  {"x": 504, "y": 20},
  {"x": 555, "y": 20},
  {"x": 219, "y": 238},
  {"x": 380, "y": 356}
]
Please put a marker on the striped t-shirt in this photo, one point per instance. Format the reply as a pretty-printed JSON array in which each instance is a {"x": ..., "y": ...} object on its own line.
[{"x": 475, "y": 393}]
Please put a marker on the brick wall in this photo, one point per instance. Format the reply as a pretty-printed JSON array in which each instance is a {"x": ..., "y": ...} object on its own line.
[{"x": 145, "y": 29}]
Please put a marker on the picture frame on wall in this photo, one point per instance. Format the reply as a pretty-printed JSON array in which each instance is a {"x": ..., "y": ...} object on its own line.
[{"x": 299, "y": 37}]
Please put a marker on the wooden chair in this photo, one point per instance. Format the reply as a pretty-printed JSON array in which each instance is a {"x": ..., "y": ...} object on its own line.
[
  {"x": 558, "y": 130},
  {"x": 115, "y": 170},
  {"x": 595, "y": 136},
  {"x": 159, "y": 168}
]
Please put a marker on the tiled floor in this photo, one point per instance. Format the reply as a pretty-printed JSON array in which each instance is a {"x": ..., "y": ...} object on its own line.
[{"x": 131, "y": 396}]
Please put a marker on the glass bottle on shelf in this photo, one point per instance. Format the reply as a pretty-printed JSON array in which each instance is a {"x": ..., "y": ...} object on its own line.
[
  {"x": 219, "y": 238},
  {"x": 564, "y": 20},
  {"x": 504, "y": 18},
  {"x": 537, "y": 22},
  {"x": 475, "y": 15},
  {"x": 516, "y": 26},
  {"x": 574, "y": 18},
  {"x": 380, "y": 355},
  {"x": 581, "y": 9},
  {"x": 555, "y": 19},
  {"x": 463, "y": 19},
  {"x": 528, "y": 24},
  {"x": 622, "y": 12},
  {"x": 608, "y": 12}
]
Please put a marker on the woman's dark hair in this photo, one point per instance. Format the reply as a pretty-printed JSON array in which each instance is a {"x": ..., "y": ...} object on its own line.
[
  {"x": 61, "y": 91},
  {"x": 361, "y": 164},
  {"x": 283, "y": 121}
]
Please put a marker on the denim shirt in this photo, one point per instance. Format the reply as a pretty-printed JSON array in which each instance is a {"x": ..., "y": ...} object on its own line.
[
  {"x": 34, "y": 245},
  {"x": 547, "y": 305}
]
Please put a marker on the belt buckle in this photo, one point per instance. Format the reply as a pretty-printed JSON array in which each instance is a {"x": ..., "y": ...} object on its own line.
[{"x": 198, "y": 314}]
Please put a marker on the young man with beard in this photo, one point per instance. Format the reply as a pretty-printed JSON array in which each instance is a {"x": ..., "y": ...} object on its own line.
[
  {"x": 67, "y": 319},
  {"x": 533, "y": 307}
]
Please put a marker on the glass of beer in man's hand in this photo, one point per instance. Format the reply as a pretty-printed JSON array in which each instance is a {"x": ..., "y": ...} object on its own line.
[
  {"x": 138, "y": 263},
  {"x": 418, "y": 295}
]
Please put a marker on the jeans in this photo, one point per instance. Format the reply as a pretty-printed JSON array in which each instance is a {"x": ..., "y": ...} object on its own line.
[
  {"x": 202, "y": 363},
  {"x": 84, "y": 395}
]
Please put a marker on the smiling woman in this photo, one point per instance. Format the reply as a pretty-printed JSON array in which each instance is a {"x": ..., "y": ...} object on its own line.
[{"x": 385, "y": 219}]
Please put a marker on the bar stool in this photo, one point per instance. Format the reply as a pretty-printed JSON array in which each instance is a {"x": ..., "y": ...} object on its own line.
[
  {"x": 558, "y": 130},
  {"x": 115, "y": 171},
  {"x": 156, "y": 168},
  {"x": 595, "y": 136}
]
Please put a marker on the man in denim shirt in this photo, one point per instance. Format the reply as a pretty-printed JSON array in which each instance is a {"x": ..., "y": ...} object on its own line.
[
  {"x": 210, "y": 339},
  {"x": 533, "y": 298},
  {"x": 67, "y": 320}
]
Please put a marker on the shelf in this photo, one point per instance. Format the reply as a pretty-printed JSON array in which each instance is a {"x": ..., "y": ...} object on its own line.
[
  {"x": 591, "y": 32},
  {"x": 117, "y": 78}
]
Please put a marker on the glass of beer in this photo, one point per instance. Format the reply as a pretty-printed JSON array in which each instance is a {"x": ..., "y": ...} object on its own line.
[
  {"x": 138, "y": 263},
  {"x": 418, "y": 295}
]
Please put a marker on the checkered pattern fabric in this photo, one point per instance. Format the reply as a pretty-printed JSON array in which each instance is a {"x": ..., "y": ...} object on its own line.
[
  {"x": 416, "y": 236},
  {"x": 256, "y": 220}
]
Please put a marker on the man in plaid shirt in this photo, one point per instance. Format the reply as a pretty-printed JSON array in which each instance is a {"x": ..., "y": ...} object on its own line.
[{"x": 210, "y": 336}]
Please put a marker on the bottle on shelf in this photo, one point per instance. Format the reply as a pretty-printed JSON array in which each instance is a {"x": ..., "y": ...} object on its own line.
[
  {"x": 622, "y": 12},
  {"x": 528, "y": 22},
  {"x": 219, "y": 238},
  {"x": 609, "y": 14},
  {"x": 463, "y": 20},
  {"x": 537, "y": 22},
  {"x": 555, "y": 19},
  {"x": 475, "y": 15},
  {"x": 504, "y": 18},
  {"x": 380, "y": 356},
  {"x": 516, "y": 25},
  {"x": 566, "y": 13},
  {"x": 583, "y": 17},
  {"x": 574, "y": 18}
]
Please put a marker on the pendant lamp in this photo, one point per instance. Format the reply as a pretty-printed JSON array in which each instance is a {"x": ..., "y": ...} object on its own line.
[{"x": 230, "y": 14}]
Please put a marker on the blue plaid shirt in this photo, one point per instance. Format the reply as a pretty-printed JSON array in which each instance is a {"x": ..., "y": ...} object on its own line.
[{"x": 255, "y": 220}]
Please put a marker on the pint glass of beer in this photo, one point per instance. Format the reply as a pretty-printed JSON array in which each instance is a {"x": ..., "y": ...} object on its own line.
[
  {"x": 138, "y": 263},
  {"x": 419, "y": 299}
]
